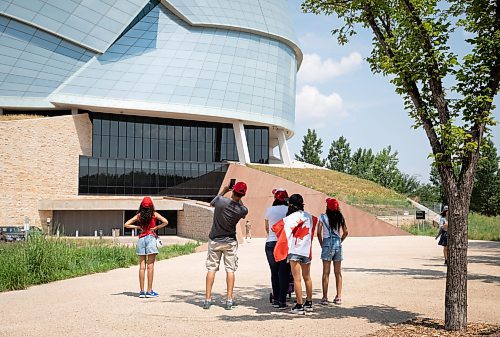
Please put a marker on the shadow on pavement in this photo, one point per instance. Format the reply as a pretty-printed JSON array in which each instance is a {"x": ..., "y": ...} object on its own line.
[
  {"x": 423, "y": 274},
  {"x": 256, "y": 299},
  {"x": 127, "y": 293}
]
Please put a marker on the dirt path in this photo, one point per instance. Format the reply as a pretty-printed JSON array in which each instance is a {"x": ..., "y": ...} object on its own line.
[{"x": 386, "y": 280}]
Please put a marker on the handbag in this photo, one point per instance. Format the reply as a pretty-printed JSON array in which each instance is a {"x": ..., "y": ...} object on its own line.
[{"x": 159, "y": 243}]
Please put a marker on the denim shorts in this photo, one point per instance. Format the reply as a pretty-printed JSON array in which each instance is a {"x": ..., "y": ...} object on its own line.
[
  {"x": 147, "y": 245},
  {"x": 298, "y": 258},
  {"x": 332, "y": 249}
]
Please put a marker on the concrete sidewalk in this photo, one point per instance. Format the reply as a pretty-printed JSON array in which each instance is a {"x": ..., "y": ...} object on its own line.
[{"x": 386, "y": 280}]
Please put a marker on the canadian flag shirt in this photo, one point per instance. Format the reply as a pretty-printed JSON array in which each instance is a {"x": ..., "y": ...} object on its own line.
[{"x": 295, "y": 233}]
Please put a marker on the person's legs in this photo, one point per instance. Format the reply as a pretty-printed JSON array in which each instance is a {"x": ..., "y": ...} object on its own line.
[
  {"x": 209, "y": 283},
  {"x": 297, "y": 281},
  {"x": 142, "y": 271},
  {"x": 306, "y": 274},
  {"x": 213, "y": 260},
  {"x": 275, "y": 267},
  {"x": 230, "y": 284},
  {"x": 337, "y": 269},
  {"x": 445, "y": 253},
  {"x": 325, "y": 280},
  {"x": 283, "y": 279},
  {"x": 151, "y": 271}
]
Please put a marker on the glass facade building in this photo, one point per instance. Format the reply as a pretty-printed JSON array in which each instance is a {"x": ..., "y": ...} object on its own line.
[{"x": 174, "y": 89}]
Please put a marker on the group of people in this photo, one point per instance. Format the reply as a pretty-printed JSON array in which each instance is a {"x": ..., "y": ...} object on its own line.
[{"x": 288, "y": 245}]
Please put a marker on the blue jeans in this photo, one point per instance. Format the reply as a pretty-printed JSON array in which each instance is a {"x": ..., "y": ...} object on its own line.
[{"x": 280, "y": 273}]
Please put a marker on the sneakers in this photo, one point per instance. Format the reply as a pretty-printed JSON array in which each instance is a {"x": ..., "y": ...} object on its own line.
[
  {"x": 151, "y": 294},
  {"x": 142, "y": 294},
  {"x": 308, "y": 306},
  {"x": 276, "y": 304},
  {"x": 282, "y": 306},
  {"x": 337, "y": 300},
  {"x": 207, "y": 304},
  {"x": 324, "y": 301},
  {"x": 230, "y": 304},
  {"x": 298, "y": 309}
]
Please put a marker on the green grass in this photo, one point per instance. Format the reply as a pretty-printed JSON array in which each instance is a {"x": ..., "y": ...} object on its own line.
[
  {"x": 41, "y": 260},
  {"x": 481, "y": 227},
  {"x": 362, "y": 193}
]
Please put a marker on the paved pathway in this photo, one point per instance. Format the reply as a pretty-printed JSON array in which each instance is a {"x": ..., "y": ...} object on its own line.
[{"x": 387, "y": 280}]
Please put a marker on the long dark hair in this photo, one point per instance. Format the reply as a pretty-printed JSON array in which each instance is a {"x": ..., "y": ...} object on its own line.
[
  {"x": 145, "y": 215},
  {"x": 335, "y": 219},
  {"x": 277, "y": 202}
]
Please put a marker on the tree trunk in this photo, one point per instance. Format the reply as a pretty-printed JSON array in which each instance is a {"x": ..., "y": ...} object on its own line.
[{"x": 456, "y": 277}]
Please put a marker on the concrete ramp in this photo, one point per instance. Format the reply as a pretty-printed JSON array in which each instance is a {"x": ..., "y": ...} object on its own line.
[{"x": 259, "y": 197}]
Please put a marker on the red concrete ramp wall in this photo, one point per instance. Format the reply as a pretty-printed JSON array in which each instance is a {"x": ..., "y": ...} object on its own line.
[{"x": 259, "y": 197}]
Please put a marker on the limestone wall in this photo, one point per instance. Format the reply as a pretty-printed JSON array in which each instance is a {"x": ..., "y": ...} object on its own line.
[
  {"x": 39, "y": 160},
  {"x": 195, "y": 221}
]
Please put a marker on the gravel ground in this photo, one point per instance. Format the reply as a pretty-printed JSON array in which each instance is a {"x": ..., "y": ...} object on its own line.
[{"x": 387, "y": 280}]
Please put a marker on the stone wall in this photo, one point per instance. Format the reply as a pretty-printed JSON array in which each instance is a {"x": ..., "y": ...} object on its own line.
[
  {"x": 39, "y": 160},
  {"x": 195, "y": 221}
]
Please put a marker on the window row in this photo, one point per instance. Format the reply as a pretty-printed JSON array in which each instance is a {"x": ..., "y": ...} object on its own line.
[{"x": 139, "y": 177}]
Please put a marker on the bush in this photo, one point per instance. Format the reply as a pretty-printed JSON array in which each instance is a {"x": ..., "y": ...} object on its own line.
[{"x": 41, "y": 260}]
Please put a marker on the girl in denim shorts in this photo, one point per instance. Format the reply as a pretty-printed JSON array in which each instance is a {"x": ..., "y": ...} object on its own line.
[
  {"x": 146, "y": 246},
  {"x": 330, "y": 225}
]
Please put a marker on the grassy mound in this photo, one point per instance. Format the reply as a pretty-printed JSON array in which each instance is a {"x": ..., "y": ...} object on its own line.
[
  {"x": 7, "y": 118},
  {"x": 355, "y": 191},
  {"x": 42, "y": 260}
]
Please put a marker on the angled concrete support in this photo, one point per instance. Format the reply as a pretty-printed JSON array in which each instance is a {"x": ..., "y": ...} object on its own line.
[
  {"x": 241, "y": 142},
  {"x": 74, "y": 111},
  {"x": 283, "y": 146}
]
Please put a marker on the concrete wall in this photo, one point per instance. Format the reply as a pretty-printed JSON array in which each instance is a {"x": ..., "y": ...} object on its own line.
[
  {"x": 39, "y": 160},
  {"x": 195, "y": 221},
  {"x": 259, "y": 197}
]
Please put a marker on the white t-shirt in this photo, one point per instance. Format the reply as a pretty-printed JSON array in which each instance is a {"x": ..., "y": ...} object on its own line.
[
  {"x": 442, "y": 221},
  {"x": 273, "y": 215}
]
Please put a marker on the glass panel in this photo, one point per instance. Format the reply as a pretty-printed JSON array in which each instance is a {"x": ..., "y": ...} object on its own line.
[
  {"x": 154, "y": 174},
  {"x": 105, "y": 127},
  {"x": 170, "y": 174},
  {"x": 96, "y": 126},
  {"x": 154, "y": 149},
  {"x": 113, "y": 128},
  {"x": 138, "y": 130},
  {"x": 122, "y": 147},
  {"x": 113, "y": 147},
  {"x": 122, "y": 127},
  {"x": 96, "y": 145},
  {"x": 120, "y": 173},
  {"x": 93, "y": 171},
  {"x": 111, "y": 174},
  {"x": 170, "y": 150},
  {"x": 130, "y": 129},
  {"x": 138, "y": 148},
  {"x": 162, "y": 133},
  {"x": 103, "y": 172},
  {"x": 154, "y": 131},
  {"x": 162, "y": 150},
  {"x": 138, "y": 176},
  {"x": 171, "y": 132},
  {"x": 129, "y": 173},
  {"x": 146, "y": 148},
  {"x": 146, "y": 130},
  {"x": 105, "y": 146},
  {"x": 130, "y": 147}
]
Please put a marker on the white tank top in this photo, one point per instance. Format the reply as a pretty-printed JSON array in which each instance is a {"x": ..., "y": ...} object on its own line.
[{"x": 327, "y": 231}]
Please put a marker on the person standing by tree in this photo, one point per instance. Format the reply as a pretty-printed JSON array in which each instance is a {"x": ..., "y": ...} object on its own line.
[
  {"x": 330, "y": 240},
  {"x": 222, "y": 240},
  {"x": 443, "y": 233},
  {"x": 146, "y": 246}
]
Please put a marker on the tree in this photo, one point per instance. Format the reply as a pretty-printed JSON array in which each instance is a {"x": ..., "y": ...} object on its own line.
[
  {"x": 339, "y": 156},
  {"x": 411, "y": 46},
  {"x": 485, "y": 197},
  {"x": 385, "y": 167},
  {"x": 361, "y": 163},
  {"x": 311, "y": 149},
  {"x": 406, "y": 184}
]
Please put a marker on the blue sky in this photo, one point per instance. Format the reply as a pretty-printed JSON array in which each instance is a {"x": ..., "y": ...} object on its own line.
[{"x": 338, "y": 95}]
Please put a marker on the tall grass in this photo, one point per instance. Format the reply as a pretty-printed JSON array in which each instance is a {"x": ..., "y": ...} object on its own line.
[
  {"x": 41, "y": 260},
  {"x": 481, "y": 227}
]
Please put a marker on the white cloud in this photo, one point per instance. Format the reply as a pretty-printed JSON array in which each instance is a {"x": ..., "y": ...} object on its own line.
[
  {"x": 316, "y": 109},
  {"x": 316, "y": 70}
]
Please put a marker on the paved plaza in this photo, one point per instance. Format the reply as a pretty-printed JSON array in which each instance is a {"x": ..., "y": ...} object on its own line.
[{"x": 386, "y": 280}]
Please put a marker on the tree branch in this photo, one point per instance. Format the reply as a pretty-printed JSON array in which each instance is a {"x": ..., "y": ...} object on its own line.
[{"x": 433, "y": 72}]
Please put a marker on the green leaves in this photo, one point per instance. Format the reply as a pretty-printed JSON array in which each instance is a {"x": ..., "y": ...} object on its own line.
[{"x": 311, "y": 149}]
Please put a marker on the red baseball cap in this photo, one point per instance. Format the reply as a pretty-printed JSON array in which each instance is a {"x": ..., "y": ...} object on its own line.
[
  {"x": 332, "y": 204},
  {"x": 240, "y": 188},
  {"x": 147, "y": 202},
  {"x": 280, "y": 194}
]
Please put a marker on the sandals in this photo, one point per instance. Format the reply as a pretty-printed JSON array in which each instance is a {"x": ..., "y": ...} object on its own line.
[
  {"x": 337, "y": 301},
  {"x": 324, "y": 301}
]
